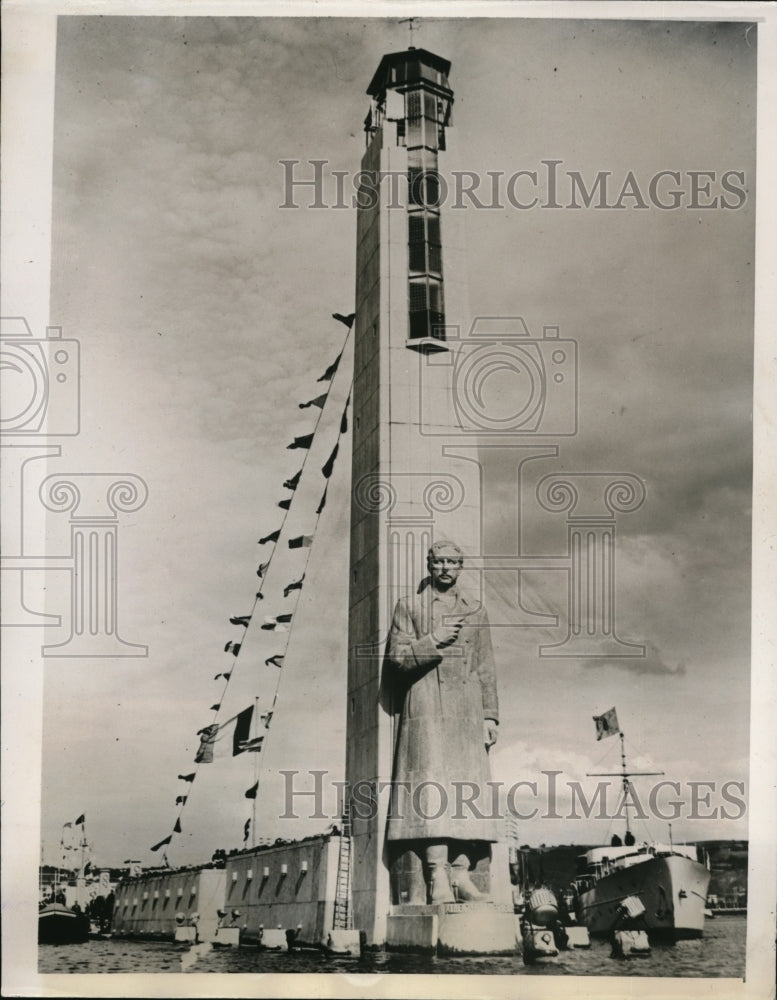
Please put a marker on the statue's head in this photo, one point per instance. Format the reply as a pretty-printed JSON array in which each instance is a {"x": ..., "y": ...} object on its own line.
[{"x": 445, "y": 561}]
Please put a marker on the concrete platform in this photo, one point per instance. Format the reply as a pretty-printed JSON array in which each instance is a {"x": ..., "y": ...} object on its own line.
[{"x": 452, "y": 929}]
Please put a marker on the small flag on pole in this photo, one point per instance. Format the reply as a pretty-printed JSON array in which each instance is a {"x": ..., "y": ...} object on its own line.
[
  {"x": 301, "y": 542},
  {"x": 318, "y": 401},
  {"x": 246, "y": 828},
  {"x": 80, "y": 821},
  {"x": 262, "y": 569},
  {"x": 302, "y": 441},
  {"x": 251, "y": 793},
  {"x": 293, "y": 483},
  {"x": 272, "y": 537},
  {"x": 252, "y": 746},
  {"x": 276, "y": 623},
  {"x": 187, "y": 777},
  {"x": 266, "y": 719},
  {"x": 285, "y": 504},
  {"x": 214, "y": 740},
  {"x": 67, "y": 824},
  {"x": 216, "y": 707},
  {"x": 296, "y": 585},
  {"x": 162, "y": 843},
  {"x": 177, "y": 827},
  {"x": 322, "y": 501},
  {"x": 276, "y": 661},
  {"x": 180, "y": 800},
  {"x": 348, "y": 320},
  {"x": 225, "y": 676},
  {"x": 329, "y": 373},
  {"x": 329, "y": 466},
  {"x": 240, "y": 620},
  {"x": 606, "y": 724}
]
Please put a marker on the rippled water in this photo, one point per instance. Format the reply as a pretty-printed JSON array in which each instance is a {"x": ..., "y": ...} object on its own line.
[{"x": 720, "y": 953}]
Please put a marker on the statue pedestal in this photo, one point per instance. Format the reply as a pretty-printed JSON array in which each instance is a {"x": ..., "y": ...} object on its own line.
[{"x": 453, "y": 928}]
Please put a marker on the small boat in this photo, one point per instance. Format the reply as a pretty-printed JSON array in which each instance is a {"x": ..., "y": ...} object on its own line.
[{"x": 57, "y": 924}]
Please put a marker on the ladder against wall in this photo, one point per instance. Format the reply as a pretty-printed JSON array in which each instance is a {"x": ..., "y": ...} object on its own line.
[{"x": 343, "y": 916}]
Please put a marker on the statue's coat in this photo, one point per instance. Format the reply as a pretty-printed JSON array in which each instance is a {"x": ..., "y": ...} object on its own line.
[{"x": 442, "y": 698}]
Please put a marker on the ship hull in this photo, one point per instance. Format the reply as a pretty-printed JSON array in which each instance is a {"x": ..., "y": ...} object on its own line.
[
  {"x": 59, "y": 925},
  {"x": 672, "y": 889}
]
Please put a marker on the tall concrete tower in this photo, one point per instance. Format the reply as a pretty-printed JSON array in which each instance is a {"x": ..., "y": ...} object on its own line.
[{"x": 408, "y": 488}]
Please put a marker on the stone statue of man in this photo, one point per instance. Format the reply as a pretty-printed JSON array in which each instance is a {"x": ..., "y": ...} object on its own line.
[{"x": 445, "y": 686}]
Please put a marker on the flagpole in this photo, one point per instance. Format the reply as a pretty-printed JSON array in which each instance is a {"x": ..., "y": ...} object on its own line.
[
  {"x": 625, "y": 783},
  {"x": 256, "y": 775}
]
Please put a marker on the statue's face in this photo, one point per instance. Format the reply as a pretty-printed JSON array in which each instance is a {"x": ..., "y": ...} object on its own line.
[{"x": 445, "y": 568}]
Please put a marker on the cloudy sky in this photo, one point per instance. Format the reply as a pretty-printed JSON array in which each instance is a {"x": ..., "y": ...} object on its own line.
[{"x": 204, "y": 316}]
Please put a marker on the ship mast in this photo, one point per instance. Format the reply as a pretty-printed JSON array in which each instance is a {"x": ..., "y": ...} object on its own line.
[{"x": 624, "y": 775}]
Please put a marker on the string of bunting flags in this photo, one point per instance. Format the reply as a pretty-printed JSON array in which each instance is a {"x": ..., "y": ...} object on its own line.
[{"x": 234, "y": 737}]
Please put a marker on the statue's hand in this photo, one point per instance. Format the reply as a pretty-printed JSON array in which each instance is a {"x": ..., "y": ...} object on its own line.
[
  {"x": 489, "y": 732},
  {"x": 445, "y": 635}
]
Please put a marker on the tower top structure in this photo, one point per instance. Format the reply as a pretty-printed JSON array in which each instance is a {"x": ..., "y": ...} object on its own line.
[{"x": 409, "y": 68}]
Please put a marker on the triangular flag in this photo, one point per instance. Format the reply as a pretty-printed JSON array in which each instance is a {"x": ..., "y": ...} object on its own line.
[
  {"x": 322, "y": 501},
  {"x": 272, "y": 624},
  {"x": 262, "y": 570},
  {"x": 80, "y": 821},
  {"x": 251, "y": 793},
  {"x": 293, "y": 483},
  {"x": 330, "y": 370},
  {"x": 318, "y": 401},
  {"x": 235, "y": 648},
  {"x": 285, "y": 504},
  {"x": 240, "y": 620},
  {"x": 214, "y": 740},
  {"x": 330, "y": 462},
  {"x": 348, "y": 320},
  {"x": 266, "y": 719},
  {"x": 303, "y": 441},
  {"x": 225, "y": 676},
  {"x": 606, "y": 724},
  {"x": 177, "y": 827},
  {"x": 67, "y": 824},
  {"x": 301, "y": 542},
  {"x": 162, "y": 843},
  {"x": 180, "y": 800},
  {"x": 297, "y": 585},
  {"x": 188, "y": 777},
  {"x": 246, "y": 828},
  {"x": 276, "y": 661},
  {"x": 344, "y": 420},
  {"x": 216, "y": 707},
  {"x": 272, "y": 537}
]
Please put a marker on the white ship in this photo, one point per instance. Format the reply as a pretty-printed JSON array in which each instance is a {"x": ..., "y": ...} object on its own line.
[{"x": 669, "y": 880}]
